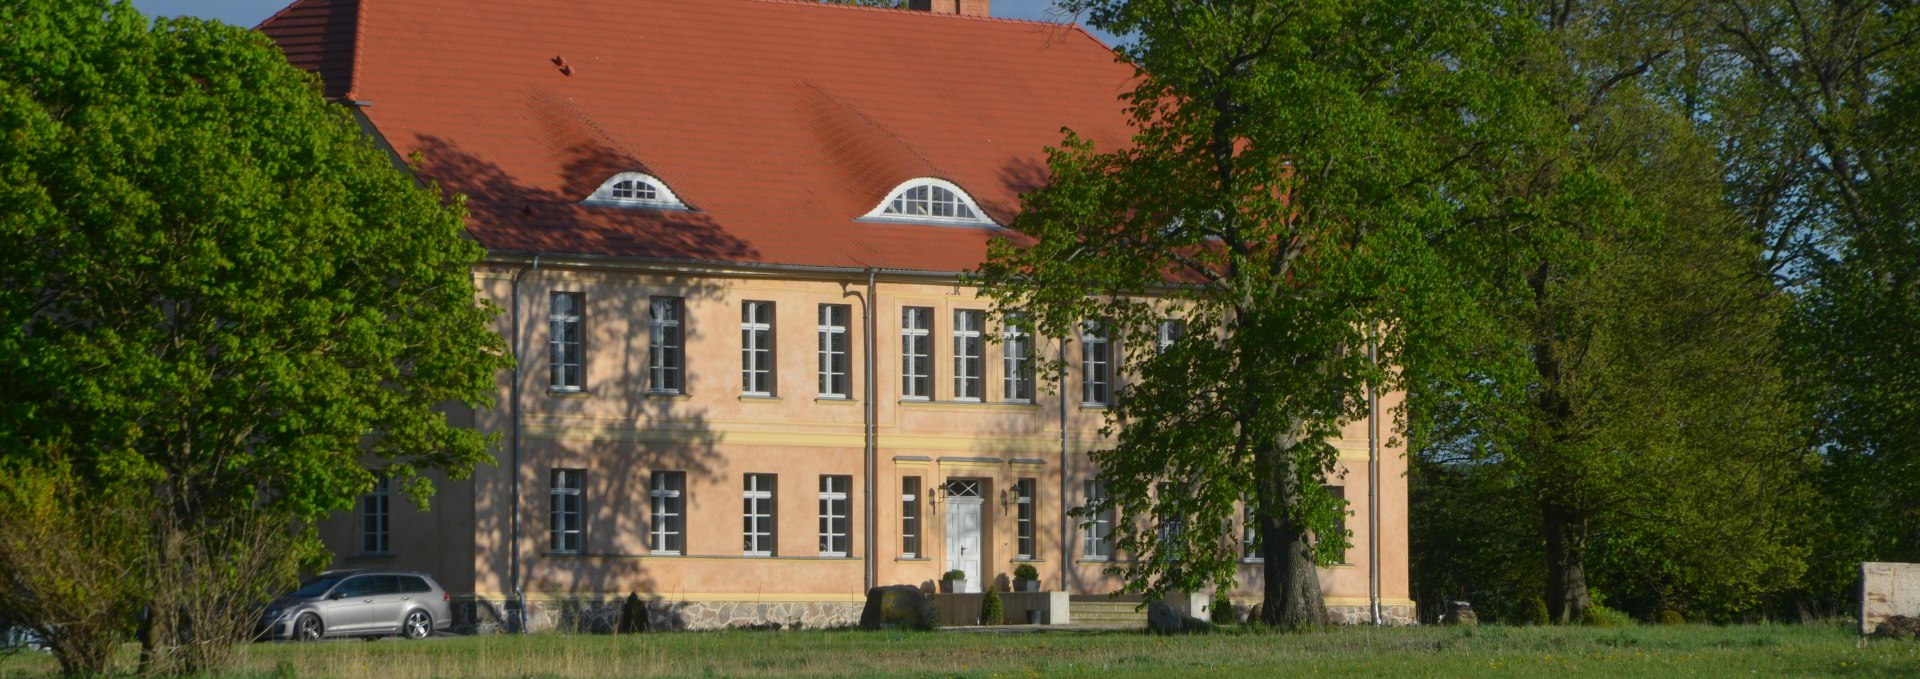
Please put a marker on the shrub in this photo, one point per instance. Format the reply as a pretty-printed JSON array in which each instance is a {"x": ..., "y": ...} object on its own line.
[
  {"x": 1601, "y": 616},
  {"x": 1026, "y": 571},
  {"x": 1222, "y": 610},
  {"x": 1670, "y": 617},
  {"x": 634, "y": 618},
  {"x": 956, "y": 574},
  {"x": 990, "y": 609},
  {"x": 1531, "y": 612}
]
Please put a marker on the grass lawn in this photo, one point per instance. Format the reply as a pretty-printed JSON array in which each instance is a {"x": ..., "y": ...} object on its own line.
[{"x": 1689, "y": 651}]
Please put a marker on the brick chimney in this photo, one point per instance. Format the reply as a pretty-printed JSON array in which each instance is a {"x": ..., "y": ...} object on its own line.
[{"x": 972, "y": 8}]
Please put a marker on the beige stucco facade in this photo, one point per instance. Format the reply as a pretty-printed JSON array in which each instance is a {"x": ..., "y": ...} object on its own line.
[{"x": 620, "y": 432}]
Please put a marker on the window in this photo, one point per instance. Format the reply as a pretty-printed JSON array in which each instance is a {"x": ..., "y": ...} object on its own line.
[
  {"x": 563, "y": 313},
  {"x": 968, "y": 363},
  {"x": 1016, "y": 348},
  {"x": 1171, "y": 526},
  {"x": 758, "y": 514},
  {"x": 564, "y": 510},
  {"x": 666, "y": 362},
  {"x": 1096, "y": 529},
  {"x": 635, "y": 189},
  {"x": 833, "y": 514},
  {"x": 1339, "y": 494},
  {"x": 833, "y": 350},
  {"x": 910, "y": 517},
  {"x": 916, "y": 353},
  {"x": 373, "y": 519},
  {"x": 1023, "y": 518},
  {"x": 1171, "y": 330},
  {"x": 929, "y": 200},
  {"x": 756, "y": 348},
  {"x": 669, "y": 512},
  {"x": 1096, "y": 365},
  {"x": 1249, "y": 531}
]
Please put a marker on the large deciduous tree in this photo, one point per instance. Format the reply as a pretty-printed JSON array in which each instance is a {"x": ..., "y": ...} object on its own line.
[
  {"x": 222, "y": 300},
  {"x": 1296, "y": 194}
]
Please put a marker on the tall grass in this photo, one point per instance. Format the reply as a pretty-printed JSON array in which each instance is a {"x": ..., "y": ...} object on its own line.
[{"x": 1688, "y": 651}]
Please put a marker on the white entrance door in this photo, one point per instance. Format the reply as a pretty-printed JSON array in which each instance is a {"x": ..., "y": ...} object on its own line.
[{"x": 963, "y": 539}]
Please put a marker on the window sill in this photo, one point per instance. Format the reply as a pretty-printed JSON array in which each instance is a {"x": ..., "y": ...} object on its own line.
[
  {"x": 669, "y": 395},
  {"x": 1027, "y": 560},
  {"x": 972, "y": 406},
  {"x": 759, "y": 398},
  {"x": 835, "y": 400},
  {"x": 913, "y": 559},
  {"x": 1095, "y": 406},
  {"x": 569, "y": 393}
]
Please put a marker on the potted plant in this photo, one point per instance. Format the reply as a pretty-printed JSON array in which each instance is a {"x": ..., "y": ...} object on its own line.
[
  {"x": 954, "y": 581},
  {"x": 1026, "y": 578}
]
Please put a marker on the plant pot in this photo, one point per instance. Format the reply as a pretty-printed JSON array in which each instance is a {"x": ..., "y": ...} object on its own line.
[
  {"x": 1026, "y": 585},
  {"x": 952, "y": 586}
]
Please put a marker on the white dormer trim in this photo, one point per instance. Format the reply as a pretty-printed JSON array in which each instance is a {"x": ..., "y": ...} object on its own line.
[
  {"x": 939, "y": 195},
  {"x": 635, "y": 189}
]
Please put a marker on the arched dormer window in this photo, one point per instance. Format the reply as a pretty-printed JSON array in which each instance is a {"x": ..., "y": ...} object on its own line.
[
  {"x": 635, "y": 189},
  {"x": 929, "y": 200}
]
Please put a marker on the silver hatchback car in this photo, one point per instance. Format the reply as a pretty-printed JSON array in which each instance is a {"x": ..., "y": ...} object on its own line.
[{"x": 359, "y": 603}]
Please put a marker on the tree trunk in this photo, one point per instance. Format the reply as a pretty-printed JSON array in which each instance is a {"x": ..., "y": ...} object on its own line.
[
  {"x": 1291, "y": 583},
  {"x": 1566, "y": 533}
]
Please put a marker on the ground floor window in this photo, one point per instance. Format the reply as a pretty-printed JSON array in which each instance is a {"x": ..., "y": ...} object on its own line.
[
  {"x": 1023, "y": 518},
  {"x": 758, "y": 514},
  {"x": 910, "y": 517},
  {"x": 374, "y": 519},
  {"x": 566, "y": 496},
  {"x": 1096, "y": 527},
  {"x": 835, "y": 492},
  {"x": 668, "y": 495}
]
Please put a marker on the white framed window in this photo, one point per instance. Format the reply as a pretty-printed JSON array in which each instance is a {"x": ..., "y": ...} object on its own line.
[
  {"x": 835, "y": 492},
  {"x": 758, "y": 514},
  {"x": 1023, "y": 518},
  {"x": 916, "y": 353},
  {"x": 1016, "y": 362},
  {"x": 1096, "y": 365},
  {"x": 929, "y": 201},
  {"x": 1171, "y": 527},
  {"x": 566, "y": 501},
  {"x": 756, "y": 348},
  {"x": 1171, "y": 330},
  {"x": 374, "y": 520},
  {"x": 669, "y": 529},
  {"x": 564, "y": 314},
  {"x": 1096, "y": 527},
  {"x": 910, "y": 517},
  {"x": 1249, "y": 532},
  {"x": 1339, "y": 494},
  {"x": 969, "y": 363},
  {"x": 834, "y": 359},
  {"x": 635, "y": 189},
  {"x": 666, "y": 358}
]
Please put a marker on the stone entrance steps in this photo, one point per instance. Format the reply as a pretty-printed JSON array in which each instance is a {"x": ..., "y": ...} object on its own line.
[{"x": 1102, "y": 611}]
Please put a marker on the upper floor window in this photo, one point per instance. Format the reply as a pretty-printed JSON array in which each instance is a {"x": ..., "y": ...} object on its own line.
[
  {"x": 756, "y": 348},
  {"x": 968, "y": 364},
  {"x": 916, "y": 352},
  {"x": 635, "y": 189},
  {"x": 563, "y": 314},
  {"x": 666, "y": 363},
  {"x": 1096, "y": 365},
  {"x": 1016, "y": 372},
  {"x": 1171, "y": 331},
  {"x": 929, "y": 200},
  {"x": 834, "y": 362}
]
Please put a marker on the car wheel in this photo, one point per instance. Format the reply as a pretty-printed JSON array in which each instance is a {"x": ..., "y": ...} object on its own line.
[
  {"x": 308, "y": 628},
  {"x": 418, "y": 625}
]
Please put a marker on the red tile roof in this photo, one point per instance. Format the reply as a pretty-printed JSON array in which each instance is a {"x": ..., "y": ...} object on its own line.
[{"x": 780, "y": 122}]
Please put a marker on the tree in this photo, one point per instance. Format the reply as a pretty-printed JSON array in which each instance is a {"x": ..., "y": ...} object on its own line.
[
  {"x": 1294, "y": 194},
  {"x": 1814, "y": 107},
  {"x": 1645, "y": 424},
  {"x": 221, "y": 295}
]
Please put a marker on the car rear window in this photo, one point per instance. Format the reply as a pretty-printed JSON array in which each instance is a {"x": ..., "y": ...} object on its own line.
[{"x": 413, "y": 585}]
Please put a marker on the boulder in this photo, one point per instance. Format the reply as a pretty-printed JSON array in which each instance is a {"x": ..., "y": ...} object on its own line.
[
  {"x": 897, "y": 606},
  {"x": 1162, "y": 619},
  {"x": 1898, "y": 627},
  {"x": 1460, "y": 613}
]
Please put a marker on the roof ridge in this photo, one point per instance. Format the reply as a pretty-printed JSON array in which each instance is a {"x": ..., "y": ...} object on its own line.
[{"x": 916, "y": 12}]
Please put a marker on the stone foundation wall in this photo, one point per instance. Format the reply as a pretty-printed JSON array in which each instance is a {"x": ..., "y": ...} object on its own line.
[
  {"x": 1401, "y": 615},
  {"x": 595, "y": 615}
]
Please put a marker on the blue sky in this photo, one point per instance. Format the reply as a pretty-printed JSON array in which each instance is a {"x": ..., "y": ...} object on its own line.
[{"x": 251, "y": 12}]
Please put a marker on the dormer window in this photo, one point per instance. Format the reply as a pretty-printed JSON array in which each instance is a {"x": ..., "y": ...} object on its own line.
[
  {"x": 635, "y": 189},
  {"x": 929, "y": 200}
]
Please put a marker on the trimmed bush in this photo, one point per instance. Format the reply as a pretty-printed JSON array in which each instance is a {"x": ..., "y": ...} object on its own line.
[
  {"x": 1026, "y": 571},
  {"x": 1222, "y": 610},
  {"x": 1601, "y": 616},
  {"x": 1669, "y": 617},
  {"x": 990, "y": 609},
  {"x": 634, "y": 618}
]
